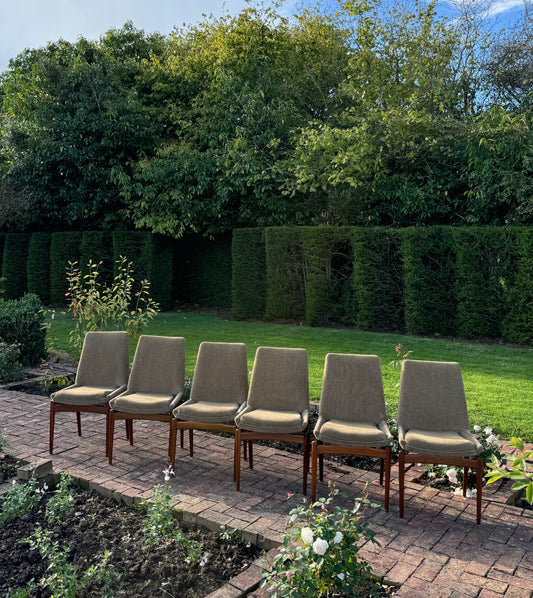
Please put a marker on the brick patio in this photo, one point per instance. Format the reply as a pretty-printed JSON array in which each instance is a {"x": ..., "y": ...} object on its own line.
[{"x": 436, "y": 551}]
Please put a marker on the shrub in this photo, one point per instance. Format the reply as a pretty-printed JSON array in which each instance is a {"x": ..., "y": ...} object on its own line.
[
  {"x": 10, "y": 366},
  {"x": 21, "y": 322},
  {"x": 96, "y": 306},
  {"x": 319, "y": 552}
]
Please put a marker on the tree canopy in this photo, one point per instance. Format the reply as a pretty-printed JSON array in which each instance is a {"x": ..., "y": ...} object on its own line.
[{"x": 378, "y": 114}]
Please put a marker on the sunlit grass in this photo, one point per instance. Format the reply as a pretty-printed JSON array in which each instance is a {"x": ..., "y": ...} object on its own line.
[{"x": 498, "y": 379}]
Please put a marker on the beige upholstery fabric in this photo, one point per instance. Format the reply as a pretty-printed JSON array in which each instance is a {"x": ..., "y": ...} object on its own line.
[
  {"x": 103, "y": 368},
  {"x": 352, "y": 404},
  {"x": 432, "y": 414},
  {"x": 278, "y": 399},
  {"x": 157, "y": 377},
  {"x": 219, "y": 385},
  {"x": 440, "y": 444}
]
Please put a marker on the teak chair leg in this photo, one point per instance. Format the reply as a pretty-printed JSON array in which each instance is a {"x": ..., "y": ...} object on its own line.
[
  {"x": 52, "y": 424},
  {"x": 237, "y": 460},
  {"x": 401, "y": 480},
  {"x": 78, "y": 421},
  {"x": 314, "y": 469},
  {"x": 191, "y": 442}
]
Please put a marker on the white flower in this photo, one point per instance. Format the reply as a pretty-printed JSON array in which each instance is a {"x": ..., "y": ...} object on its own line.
[
  {"x": 491, "y": 439},
  {"x": 338, "y": 538},
  {"x": 340, "y": 576},
  {"x": 307, "y": 535},
  {"x": 452, "y": 475},
  {"x": 488, "y": 431},
  {"x": 203, "y": 562},
  {"x": 477, "y": 429},
  {"x": 320, "y": 546},
  {"x": 168, "y": 472}
]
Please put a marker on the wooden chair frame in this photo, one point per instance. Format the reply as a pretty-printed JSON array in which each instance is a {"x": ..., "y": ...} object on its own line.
[
  {"x": 475, "y": 463},
  {"x": 319, "y": 449},
  {"x": 250, "y": 436}
]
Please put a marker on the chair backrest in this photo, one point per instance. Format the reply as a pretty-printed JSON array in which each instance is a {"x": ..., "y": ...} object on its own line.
[
  {"x": 432, "y": 397},
  {"x": 104, "y": 359},
  {"x": 221, "y": 373},
  {"x": 158, "y": 365},
  {"x": 352, "y": 388},
  {"x": 280, "y": 380}
]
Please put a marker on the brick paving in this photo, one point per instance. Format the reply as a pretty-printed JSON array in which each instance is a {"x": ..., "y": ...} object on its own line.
[{"x": 436, "y": 551}]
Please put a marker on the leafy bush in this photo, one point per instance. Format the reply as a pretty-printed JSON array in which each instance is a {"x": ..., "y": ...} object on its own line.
[
  {"x": 319, "y": 552},
  {"x": 21, "y": 322},
  {"x": 97, "y": 306},
  {"x": 10, "y": 366}
]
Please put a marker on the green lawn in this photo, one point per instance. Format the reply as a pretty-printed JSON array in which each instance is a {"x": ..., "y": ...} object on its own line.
[{"x": 498, "y": 379}]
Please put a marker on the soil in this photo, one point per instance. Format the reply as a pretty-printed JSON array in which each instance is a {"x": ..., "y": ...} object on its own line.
[
  {"x": 9, "y": 466},
  {"x": 96, "y": 525}
]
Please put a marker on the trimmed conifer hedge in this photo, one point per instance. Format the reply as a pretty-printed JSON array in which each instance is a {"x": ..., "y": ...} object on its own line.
[
  {"x": 64, "y": 248},
  {"x": 14, "y": 261},
  {"x": 428, "y": 259},
  {"x": 202, "y": 271},
  {"x": 248, "y": 284},
  {"x": 97, "y": 248},
  {"x": 38, "y": 266},
  {"x": 378, "y": 279},
  {"x": 285, "y": 288},
  {"x": 518, "y": 323}
]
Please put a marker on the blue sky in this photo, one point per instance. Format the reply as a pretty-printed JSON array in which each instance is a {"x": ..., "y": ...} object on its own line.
[{"x": 33, "y": 23}]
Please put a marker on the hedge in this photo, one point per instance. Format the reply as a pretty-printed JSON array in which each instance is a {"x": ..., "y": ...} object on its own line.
[
  {"x": 202, "y": 271},
  {"x": 248, "y": 283},
  {"x": 14, "y": 261},
  {"x": 152, "y": 260},
  {"x": 428, "y": 260},
  {"x": 518, "y": 323},
  {"x": 96, "y": 247},
  {"x": 64, "y": 248},
  {"x": 38, "y": 266},
  {"x": 285, "y": 288},
  {"x": 327, "y": 273},
  {"x": 378, "y": 280},
  {"x": 484, "y": 275}
]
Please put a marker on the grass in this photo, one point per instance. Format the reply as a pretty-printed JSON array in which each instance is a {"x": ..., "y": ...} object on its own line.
[{"x": 498, "y": 379}]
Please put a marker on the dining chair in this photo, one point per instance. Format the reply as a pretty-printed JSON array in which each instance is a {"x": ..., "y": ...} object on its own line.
[
  {"x": 433, "y": 424},
  {"x": 219, "y": 387},
  {"x": 155, "y": 385},
  {"x": 277, "y": 407},
  {"x": 352, "y": 419},
  {"x": 102, "y": 374}
]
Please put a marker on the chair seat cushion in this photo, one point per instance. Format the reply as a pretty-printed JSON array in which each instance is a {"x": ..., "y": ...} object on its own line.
[
  {"x": 206, "y": 412},
  {"x": 82, "y": 395},
  {"x": 439, "y": 444},
  {"x": 352, "y": 434},
  {"x": 272, "y": 422},
  {"x": 143, "y": 403}
]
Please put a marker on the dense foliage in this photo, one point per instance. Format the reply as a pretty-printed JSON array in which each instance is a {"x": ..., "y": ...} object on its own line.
[{"x": 379, "y": 114}]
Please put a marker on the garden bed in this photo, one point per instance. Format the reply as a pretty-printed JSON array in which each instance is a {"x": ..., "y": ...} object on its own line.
[{"x": 97, "y": 524}]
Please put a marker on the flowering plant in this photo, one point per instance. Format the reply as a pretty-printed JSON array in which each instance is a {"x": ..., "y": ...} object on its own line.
[
  {"x": 319, "y": 556},
  {"x": 520, "y": 473}
]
